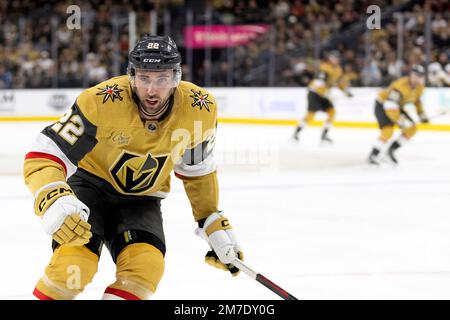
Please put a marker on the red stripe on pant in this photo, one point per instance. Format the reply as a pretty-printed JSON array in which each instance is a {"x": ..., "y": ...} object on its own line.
[
  {"x": 122, "y": 294},
  {"x": 40, "y": 295}
]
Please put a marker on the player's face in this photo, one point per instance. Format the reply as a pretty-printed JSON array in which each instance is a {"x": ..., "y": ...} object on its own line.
[
  {"x": 416, "y": 79},
  {"x": 153, "y": 88},
  {"x": 334, "y": 60}
]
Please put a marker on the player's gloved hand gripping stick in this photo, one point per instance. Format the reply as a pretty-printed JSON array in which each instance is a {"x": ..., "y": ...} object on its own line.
[
  {"x": 217, "y": 232},
  {"x": 226, "y": 252}
]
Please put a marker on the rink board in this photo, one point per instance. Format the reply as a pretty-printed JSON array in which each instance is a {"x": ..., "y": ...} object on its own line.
[{"x": 273, "y": 106}]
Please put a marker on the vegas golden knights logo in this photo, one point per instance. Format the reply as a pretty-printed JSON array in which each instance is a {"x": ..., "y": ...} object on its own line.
[{"x": 137, "y": 173}]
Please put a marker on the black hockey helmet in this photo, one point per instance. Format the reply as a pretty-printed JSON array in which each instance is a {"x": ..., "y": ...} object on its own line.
[
  {"x": 418, "y": 70},
  {"x": 155, "y": 53}
]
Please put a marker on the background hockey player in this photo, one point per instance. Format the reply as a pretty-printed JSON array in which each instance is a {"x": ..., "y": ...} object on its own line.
[
  {"x": 330, "y": 74},
  {"x": 439, "y": 71},
  {"x": 390, "y": 111},
  {"x": 99, "y": 174}
]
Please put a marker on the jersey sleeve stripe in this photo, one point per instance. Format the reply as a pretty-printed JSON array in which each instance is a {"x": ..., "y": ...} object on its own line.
[
  {"x": 42, "y": 155},
  {"x": 46, "y": 145}
]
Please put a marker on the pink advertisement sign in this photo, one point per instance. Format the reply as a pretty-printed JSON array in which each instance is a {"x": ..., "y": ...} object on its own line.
[{"x": 220, "y": 36}]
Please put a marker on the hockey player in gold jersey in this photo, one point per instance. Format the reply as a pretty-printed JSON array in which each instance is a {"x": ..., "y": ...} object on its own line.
[
  {"x": 390, "y": 112},
  {"x": 99, "y": 174},
  {"x": 330, "y": 74}
]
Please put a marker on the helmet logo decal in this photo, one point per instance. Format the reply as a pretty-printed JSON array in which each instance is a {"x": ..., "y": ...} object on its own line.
[
  {"x": 110, "y": 92},
  {"x": 151, "y": 60},
  {"x": 200, "y": 100}
]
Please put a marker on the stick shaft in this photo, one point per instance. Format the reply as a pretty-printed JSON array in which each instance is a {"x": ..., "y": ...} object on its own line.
[
  {"x": 440, "y": 114},
  {"x": 263, "y": 280}
]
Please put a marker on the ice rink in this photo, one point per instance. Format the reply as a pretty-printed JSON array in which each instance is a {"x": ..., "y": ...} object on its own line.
[{"x": 313, "y": 218}]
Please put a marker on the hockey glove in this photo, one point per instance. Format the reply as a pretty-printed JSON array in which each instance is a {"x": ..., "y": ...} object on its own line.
[
  {"x": 423, "y": 118},
  {"x": 348, "y": 94},
  {"x": 63, "y": 215},
  {"x": 217, "y": 231}
]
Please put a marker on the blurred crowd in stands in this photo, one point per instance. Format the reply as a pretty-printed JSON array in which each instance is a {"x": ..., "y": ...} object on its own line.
[{"x": 301, "y": 31}]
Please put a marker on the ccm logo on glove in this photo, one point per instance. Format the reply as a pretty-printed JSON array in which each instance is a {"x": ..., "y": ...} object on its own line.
[
  {"x": 220, "y": 223},
  {"x": 63, "y": 215},
  {"x": 47, "y": 197}
]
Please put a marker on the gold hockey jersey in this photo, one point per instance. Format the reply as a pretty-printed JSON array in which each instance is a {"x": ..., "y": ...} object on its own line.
[
  {"x": 103, "y": 135},
  {"x": 327, "y": 77},
  {"x": 399, "y": 93}
]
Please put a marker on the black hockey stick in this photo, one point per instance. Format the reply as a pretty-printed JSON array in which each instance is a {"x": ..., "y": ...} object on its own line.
[
  {"x": 440, "y": 114},
  {"x": 263, "y": 280}
]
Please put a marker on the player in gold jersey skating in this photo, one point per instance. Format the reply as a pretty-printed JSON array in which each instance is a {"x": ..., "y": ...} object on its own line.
[
  {"x": 99, "y": 174},
  {"x": 330, "y": 74},
  {"x": 390, "y": 112}
]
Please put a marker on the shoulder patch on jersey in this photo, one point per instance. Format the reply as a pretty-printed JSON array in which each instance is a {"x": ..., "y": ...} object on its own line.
[
  {"x": 200, "y": 99},
  {"x": 110, "y": 92}
]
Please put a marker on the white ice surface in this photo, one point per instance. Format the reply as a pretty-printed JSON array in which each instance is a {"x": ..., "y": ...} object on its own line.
[{"x": 312, "y": 218}]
